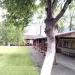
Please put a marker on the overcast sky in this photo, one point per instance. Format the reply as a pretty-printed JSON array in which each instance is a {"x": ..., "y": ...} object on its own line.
[
  {"x": 2, "y": 12},
  {"x": 35, "y": 26}
]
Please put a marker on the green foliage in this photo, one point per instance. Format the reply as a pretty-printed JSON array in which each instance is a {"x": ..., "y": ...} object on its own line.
[
  {"x": 11, "y": 34},
  {"x": 14, "y": 35},
  {"x": 61, "y": 25},
  {"x": 19, "y": 14},
  {"x": 72, "y": 16},
  {"x": 19, "y": 11},
  {"x": 42, "y": 3}
]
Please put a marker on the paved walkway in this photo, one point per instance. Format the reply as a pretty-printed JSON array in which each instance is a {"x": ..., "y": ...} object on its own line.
[
  {"x": 65, "y": 65},
  {"x": 66, "y": 61}
]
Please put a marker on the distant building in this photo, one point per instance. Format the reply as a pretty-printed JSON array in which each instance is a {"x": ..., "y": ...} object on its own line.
[{"x": 29, "y": 39}]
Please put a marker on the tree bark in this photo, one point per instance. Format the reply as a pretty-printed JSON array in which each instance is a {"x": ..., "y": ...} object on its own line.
[{"x": 50, "y": 55}]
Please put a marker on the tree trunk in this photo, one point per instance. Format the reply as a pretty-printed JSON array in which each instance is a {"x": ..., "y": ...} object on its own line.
[{"x": 50, "y": 55}]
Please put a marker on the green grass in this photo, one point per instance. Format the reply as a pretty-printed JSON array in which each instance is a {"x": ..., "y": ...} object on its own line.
[{"x": 16, "y": 61}]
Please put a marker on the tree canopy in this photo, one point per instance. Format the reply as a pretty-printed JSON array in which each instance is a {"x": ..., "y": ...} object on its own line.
[{"x": 19, "y": 12}]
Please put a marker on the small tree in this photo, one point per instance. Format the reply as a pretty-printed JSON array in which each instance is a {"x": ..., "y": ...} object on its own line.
[{"x": 19, "y": 14}]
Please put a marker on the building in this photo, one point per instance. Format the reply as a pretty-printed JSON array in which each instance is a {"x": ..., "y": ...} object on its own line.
[
  {"x": 65, "y": 43},
  {"x": 40, "y": 43},
  {"x": 28, "y": 40}
]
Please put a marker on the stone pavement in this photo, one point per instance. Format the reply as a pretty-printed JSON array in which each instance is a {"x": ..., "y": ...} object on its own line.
[
  {"x": 59, "y": 69},
  {"x": 66, "y": 61},
  {"x": 65, "y": 65}
]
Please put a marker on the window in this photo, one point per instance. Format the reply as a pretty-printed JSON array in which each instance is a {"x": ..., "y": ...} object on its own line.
[
  {"x": 73, "y": 43},
  {"x": 66, "y": 43}
]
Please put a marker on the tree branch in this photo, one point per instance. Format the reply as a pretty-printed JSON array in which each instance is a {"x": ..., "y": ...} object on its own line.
[
  {"x": 49, "y": 9},
  {"x": 62, "y": 11},
  {"x": 54, "y": 3}
]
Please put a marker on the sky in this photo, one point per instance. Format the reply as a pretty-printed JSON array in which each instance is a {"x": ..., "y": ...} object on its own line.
[
  {"x": 36, "y": 24},
  {"x": 34, "y": 27},
  {"x": 35, "y": 30},
  {"x": 2, "y": 12}
]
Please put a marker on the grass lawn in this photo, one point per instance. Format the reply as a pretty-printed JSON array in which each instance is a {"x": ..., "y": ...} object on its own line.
[{"x": 16, "y": 61}]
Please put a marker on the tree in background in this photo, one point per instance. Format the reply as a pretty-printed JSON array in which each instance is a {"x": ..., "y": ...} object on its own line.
[
  {"x": 11, "y": 35},
  {"x": 72, "y": 16},
  {"x": 67, "y": 19},
  {"x": 19, "y": 14}
]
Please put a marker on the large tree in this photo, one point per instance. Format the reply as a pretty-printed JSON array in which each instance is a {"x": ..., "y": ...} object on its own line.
[{"x": 51, "y": 31}]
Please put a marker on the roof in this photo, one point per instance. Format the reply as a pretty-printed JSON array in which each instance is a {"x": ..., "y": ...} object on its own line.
[
  {"x": 66, "y": 34},
  {"x": 34, "y": 36},
  {"x": 28, "y": 37}
]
